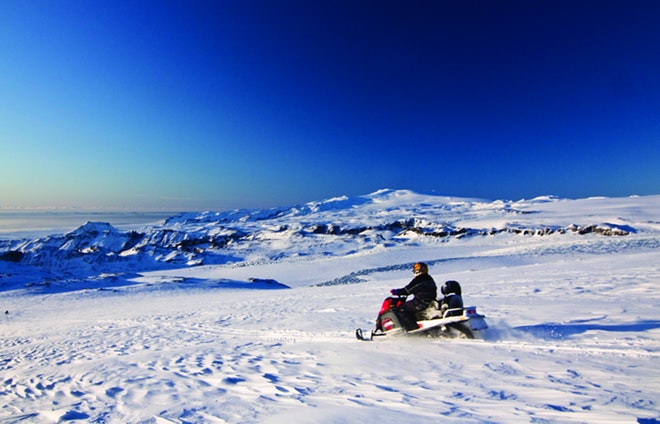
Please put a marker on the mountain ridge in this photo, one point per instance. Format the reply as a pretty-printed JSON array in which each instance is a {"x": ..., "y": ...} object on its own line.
[{"x": 332, "y": 227}]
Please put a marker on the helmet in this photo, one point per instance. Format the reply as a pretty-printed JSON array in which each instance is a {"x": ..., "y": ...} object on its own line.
[
  {"x": 420, "y": 268},
  {"x": 451, "y": 287}
]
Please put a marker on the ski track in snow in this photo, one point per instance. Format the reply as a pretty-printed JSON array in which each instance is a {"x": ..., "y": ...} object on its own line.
[{"x": 574, "y": 338}]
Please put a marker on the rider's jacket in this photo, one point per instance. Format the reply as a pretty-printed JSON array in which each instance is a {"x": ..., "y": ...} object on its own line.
[{"x": 424, "y": 289}]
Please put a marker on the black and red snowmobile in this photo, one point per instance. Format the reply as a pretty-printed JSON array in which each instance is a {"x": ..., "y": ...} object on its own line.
[{"x": 440, "y": 319}]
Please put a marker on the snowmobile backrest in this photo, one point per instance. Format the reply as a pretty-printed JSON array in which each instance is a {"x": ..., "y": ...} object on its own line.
[
  {"x": 451, "y": 287},
  {"x": 451, "y": 305}
]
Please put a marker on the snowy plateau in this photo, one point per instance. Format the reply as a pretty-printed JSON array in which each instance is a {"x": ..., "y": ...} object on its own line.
[{"x": 248, "y": 316}]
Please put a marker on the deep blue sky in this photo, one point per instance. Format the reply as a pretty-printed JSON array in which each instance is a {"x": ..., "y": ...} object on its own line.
[{"x": 190, "y": 105}]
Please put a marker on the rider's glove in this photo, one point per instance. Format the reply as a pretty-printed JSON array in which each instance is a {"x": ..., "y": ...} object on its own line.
[{"x": 395, "y": 292}]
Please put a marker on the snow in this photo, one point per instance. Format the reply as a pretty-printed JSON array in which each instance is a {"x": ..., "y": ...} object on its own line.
[{"x": 249, "y": 316}]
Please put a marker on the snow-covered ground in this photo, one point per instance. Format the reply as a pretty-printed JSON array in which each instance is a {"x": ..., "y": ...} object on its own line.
[{"x": 249, "y": 316}]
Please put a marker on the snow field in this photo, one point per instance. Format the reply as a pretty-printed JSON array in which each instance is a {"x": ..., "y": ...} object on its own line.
[
  {"x": 211, "y": 355},
  {"x": 574, "y": 331}
]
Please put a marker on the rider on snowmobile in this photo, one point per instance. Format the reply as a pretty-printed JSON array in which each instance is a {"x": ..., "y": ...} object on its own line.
[
  {"x": 452, "y": 300},
  {"x": 424, "y": 290}
]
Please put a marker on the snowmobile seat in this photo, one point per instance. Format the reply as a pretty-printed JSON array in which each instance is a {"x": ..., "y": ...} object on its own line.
[{"x": 431, "y": 312}]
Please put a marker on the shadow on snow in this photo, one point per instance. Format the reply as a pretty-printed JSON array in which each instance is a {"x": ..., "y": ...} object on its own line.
[{"x": 559, "y": 331}]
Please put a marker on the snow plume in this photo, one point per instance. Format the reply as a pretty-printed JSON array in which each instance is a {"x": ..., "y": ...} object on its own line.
[{"x": 249, "y": 316}]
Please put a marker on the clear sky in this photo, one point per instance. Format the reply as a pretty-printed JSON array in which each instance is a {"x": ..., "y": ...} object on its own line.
[{"x": 212, "y": 104}]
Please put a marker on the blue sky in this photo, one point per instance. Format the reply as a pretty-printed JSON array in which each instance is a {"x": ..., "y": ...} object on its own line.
[{"x": 189, "y": 105}]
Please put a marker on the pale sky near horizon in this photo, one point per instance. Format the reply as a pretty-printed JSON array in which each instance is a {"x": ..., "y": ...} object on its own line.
[{"x": 191, "y": 105}]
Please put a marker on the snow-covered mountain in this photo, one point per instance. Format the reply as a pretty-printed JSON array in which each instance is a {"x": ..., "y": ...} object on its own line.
[
  {"x": 249, "y": 316},
  {"x": 333, "y": 227}
]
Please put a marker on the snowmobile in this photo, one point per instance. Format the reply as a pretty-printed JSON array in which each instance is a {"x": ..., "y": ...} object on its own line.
[{"x": 434, "y": 321}]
